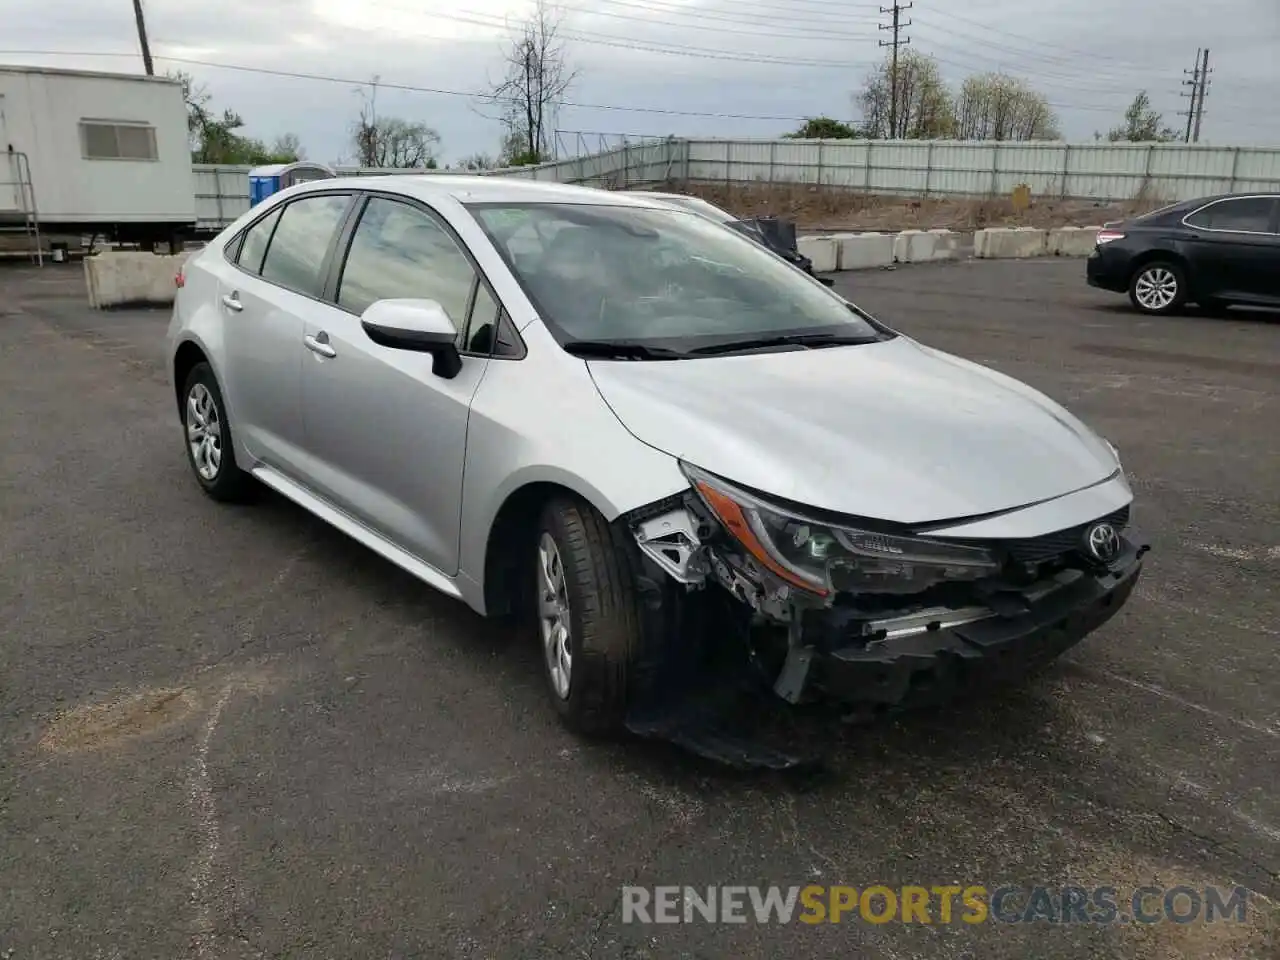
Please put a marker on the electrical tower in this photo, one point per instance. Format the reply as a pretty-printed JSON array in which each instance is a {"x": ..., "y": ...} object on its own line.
[
  {"x": 898, "y": 41},
  {"x": 1199, "y": 84}
]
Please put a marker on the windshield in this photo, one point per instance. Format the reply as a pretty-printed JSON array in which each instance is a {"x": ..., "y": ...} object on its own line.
[
  {"x": 660, "y": 278},
  {"x": 697, "y": 206}
]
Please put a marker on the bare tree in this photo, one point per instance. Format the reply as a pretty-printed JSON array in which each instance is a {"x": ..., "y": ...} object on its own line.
[
  {"x": 287, "y": 148},
  {"x": 995, "y": 106},
  {"x": 1142, "y": 123},
  {"x": 391, "y": 141},
  {"x": 537, "y": 76},
  {"x": 924, "y": 103},
  {"x": 477, "y": 161}
]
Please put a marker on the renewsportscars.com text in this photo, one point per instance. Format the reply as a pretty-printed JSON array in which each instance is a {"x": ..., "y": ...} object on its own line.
[{"x": 944, "y": 904}]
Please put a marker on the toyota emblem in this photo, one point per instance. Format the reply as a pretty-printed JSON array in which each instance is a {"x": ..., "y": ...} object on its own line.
[{"x": 1102, "y": 542}]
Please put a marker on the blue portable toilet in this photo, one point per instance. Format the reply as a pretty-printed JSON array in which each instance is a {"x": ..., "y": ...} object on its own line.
[{"x": 264, "y": 181}]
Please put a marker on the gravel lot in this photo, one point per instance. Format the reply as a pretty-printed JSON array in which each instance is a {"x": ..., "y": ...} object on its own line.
[{"x": 231, "y": 732}]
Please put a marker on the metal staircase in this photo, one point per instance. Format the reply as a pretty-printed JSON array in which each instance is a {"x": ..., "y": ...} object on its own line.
[{"x": 25, "y": 210}]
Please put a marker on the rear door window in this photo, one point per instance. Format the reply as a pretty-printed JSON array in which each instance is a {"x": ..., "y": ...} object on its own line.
[
  {"x": 296, "y": 254},
  {"x": 1245, "y": 214}
]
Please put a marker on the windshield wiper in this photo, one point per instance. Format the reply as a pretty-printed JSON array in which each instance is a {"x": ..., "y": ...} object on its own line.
[
  {"x": 811, "y": 340},
  {"x": 622, "y": 350}
]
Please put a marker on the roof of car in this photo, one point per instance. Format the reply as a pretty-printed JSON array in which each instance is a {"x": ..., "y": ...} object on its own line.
[{"x": 491, "y": 189}]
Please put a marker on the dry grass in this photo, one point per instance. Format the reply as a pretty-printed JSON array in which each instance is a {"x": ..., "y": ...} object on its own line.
[{"x": 828, "y": 208}]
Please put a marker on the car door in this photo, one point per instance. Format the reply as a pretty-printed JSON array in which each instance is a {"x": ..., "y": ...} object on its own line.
[
  {"x": 388, "y": 436},
  {"x": 278, "y": 270},
  {"x": 1234, "y": 248}
]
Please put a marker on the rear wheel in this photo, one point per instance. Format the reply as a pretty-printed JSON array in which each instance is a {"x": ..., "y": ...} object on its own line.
[
  {"x": 588, "y": 622},
  {"x": 1159, "y": 287},
  {"x": 208, "y": 438}
]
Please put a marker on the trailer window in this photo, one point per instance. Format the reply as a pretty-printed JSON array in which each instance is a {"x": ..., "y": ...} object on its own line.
[{"x": 101, "y": 140}]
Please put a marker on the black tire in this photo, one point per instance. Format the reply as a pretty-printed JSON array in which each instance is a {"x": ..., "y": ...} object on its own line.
[
  {"x": 229, "y": 483},
  {"x": 1158, "y": 270},
  {"x": 604, "y": 621}
]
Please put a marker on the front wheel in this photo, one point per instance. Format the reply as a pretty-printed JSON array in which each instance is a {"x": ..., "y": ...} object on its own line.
[
  {"x": 1158, "y": 288},
  {"x": 588, "y": 621}
]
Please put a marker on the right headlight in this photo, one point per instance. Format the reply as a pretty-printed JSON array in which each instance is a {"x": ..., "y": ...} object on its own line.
[{"x": 823, "y": 558}]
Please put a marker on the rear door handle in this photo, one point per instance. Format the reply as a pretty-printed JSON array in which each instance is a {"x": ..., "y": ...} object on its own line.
[
  {"x": 320, "y": 346},
  {"x": 232, "y": 302}
]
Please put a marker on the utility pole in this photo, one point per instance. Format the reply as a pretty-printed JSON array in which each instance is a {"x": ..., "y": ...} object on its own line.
[
  {"x": 142, "y": 38},
  {"x": 1204, "y": 92},
  {"x": 895, "y": 43},
  {"x": 1194, "y": 84}
]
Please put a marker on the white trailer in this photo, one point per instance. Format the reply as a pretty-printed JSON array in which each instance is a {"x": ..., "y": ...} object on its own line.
[{"x": 103, "y": 154}]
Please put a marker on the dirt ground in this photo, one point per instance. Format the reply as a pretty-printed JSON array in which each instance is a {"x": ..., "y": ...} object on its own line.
[{"x": 825, "y": 208}]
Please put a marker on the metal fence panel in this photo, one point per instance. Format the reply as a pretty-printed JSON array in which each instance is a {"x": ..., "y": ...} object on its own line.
[{"x": 1097, "y": 171}]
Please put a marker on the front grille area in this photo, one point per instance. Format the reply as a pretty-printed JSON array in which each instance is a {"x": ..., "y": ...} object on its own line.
[{"x": 1052, "y": 545}]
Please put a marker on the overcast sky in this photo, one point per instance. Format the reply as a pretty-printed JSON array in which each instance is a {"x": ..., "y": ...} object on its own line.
[{"x": 775, "y": 59}]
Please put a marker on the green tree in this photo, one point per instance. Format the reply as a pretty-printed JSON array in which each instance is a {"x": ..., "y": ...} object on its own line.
[
  {"x": 824, "y": 128},
  {"x": 1142, "y": 123},
  {"x": 214, "y": 137}
]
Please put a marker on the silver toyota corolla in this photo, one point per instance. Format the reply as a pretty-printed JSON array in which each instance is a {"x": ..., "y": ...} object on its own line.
[{"x": 611, "y": 415}]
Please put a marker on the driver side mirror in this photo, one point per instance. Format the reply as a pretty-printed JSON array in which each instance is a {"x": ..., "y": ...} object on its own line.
[{"x": 419, "y": 325}]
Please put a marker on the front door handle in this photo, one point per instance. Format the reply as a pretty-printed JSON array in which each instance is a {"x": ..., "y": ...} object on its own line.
[
  {"x": 320, "y": 346},
  {"x": 232, "y": 302}
]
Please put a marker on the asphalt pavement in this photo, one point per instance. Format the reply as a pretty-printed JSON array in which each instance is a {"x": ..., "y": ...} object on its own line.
[{"x": 232, "y": 732}]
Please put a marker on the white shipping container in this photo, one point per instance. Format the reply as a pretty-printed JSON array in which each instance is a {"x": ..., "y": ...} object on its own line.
[{"x": 104, "y": 150}]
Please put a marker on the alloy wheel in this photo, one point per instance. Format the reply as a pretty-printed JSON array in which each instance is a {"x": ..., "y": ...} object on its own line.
[
  {"x": 553, "y": 616},
  {"x": 1156, "y": 288},
  {"x": 204, "y": 432}
]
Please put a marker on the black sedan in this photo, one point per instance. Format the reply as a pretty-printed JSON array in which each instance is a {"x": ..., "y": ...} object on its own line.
[{"x": 1215, "y": 252}]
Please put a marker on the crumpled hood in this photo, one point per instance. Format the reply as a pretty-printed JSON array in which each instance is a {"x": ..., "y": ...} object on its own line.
[{"x": 894, "y": 430}]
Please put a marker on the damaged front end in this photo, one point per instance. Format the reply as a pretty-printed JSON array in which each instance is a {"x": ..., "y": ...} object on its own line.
[{"x": 874, "y": 617}]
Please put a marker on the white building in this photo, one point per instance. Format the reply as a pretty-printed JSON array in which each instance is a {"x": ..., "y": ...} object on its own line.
[{"x": 94, "y": 153}]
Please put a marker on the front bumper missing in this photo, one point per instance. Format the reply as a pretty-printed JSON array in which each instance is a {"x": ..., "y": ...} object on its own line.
[
  {"x": 935, "y": 664},
  {"x": 709, "y": 687}
]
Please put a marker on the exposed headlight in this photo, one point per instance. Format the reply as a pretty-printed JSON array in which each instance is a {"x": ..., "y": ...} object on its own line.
[{"x": 822, "y": 558}]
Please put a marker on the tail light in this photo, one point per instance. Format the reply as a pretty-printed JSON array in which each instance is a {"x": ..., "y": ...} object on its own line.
[
  {"x": 1106, "y": 236},
  {"x": 179, "y": 279}
]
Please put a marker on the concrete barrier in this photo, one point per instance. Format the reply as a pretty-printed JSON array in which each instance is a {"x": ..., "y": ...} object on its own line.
[
  {"x": 924, "y": 246},
  {"x": 821, "y": 250},
  {"x": 125, "y": 277},
  {"x": 1073, "y": 241},
  {"x": 999, "y": 243},
  {"x": 864, "y": 251}
]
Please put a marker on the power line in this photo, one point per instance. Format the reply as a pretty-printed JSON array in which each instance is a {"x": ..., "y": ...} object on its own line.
[
  {"x": 625, "y": 43},
  {"x": 1091, "y": 56},
  {"x": 1069, "y": 78},
  {"x": 713, "y": 18},
  {"x": 411, "y": 88},
  {"x": 896, "y": 26}
]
